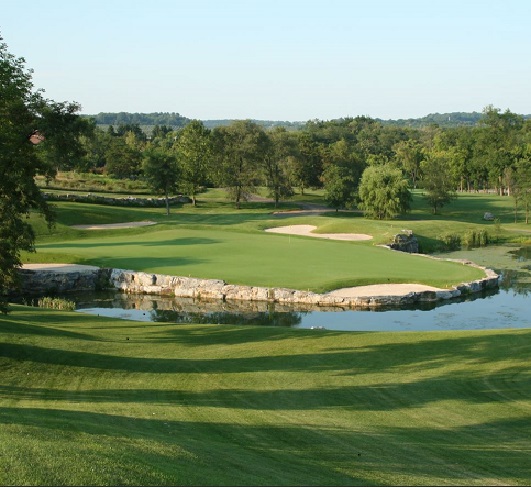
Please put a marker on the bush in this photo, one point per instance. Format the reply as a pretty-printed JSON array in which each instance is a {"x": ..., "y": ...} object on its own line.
[
  {"x": 451, "y": 241},
  {"x": 475, "y": 238},
  {"x": 56, "y": 303}
]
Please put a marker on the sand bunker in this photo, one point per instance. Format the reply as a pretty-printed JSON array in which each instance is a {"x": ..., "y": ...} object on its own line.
[
  {"x": 381, "y": 290},
  {"x": 107, "y": 226},
  {"x": 307, "y": 231},
  {"x": 60, "y": 268}
]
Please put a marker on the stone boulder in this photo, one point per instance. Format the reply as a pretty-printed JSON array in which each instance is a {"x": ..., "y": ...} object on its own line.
[{"x": 405, "y": 242}]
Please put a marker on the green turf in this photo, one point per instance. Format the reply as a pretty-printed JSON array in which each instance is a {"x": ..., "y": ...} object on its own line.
[
  {"x": 93, "y": 401},
  {"x": 262, "y": 259},
  {"x": 216, "y": 241}
]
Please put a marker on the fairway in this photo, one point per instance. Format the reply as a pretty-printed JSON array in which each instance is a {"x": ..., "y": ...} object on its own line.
[
  {"x": 91, "y": 401},
  {"x": 257, "y": 258}
]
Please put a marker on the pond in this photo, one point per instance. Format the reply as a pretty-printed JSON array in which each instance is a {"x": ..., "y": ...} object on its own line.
[{"x": 506, "y": 307}]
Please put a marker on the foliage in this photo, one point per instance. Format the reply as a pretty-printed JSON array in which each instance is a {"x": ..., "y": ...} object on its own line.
[
  {"x": 123, "y": 159},
  {"x": 340, "y": 187},
  {"x": 240, "y": 149},
  {"x": 194, "y": 152},
  {"x": 383, "y": 192},
  {"x": 450, "y": 241},
  {"x": 277, "y": 164},
  {"x": 475, "y": 238},
  {"x": 27, "y": 119},
  {"x": 437, "y": 181},
  {"x": 161, "y": 171},
  {"x": 56, "y": 303}
]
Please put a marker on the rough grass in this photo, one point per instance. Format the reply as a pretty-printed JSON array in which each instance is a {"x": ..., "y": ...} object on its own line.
[{"x": 92, "y": 401}]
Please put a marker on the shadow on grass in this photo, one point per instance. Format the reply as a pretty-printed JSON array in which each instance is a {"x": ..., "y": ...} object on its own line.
[
  {"x": 141, "y": 243},
  {"x": 490, "y": 452},
  {"x": 425, "y": 354},
  {"x": 506, "y": 386}
]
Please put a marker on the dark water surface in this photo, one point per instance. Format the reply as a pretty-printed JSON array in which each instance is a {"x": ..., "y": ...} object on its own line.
[{"x": 507, "y": 307}]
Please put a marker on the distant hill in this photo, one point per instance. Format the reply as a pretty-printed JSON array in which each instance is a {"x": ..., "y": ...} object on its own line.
[{"x": 147, "y": 121}]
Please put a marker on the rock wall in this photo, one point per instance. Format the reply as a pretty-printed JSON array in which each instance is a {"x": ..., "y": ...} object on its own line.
[
  {"x": 42, "y": 281},
  {"x": 140, "y": 283}
]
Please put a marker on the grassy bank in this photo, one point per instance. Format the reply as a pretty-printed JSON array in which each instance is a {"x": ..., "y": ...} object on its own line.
[{"x": 92, "y": 401}]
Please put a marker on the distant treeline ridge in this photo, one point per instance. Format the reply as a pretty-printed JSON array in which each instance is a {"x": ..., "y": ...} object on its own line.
[{"x": 176, "y": 120}]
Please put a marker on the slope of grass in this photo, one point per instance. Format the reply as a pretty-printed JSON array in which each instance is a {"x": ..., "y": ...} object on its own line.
[{"x": 92, "y": 401}]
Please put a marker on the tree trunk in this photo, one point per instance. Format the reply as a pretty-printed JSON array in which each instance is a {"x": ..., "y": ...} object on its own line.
[{"x": 167, "y": 202}]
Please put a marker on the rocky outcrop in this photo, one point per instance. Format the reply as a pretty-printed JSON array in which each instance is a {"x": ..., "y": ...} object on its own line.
[{"x": 405, "y": 242}]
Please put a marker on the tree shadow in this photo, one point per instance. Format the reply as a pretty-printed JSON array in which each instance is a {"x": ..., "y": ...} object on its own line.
[
  {"x": 490, "y": 452},
  {"x": 143, "y": 243}
]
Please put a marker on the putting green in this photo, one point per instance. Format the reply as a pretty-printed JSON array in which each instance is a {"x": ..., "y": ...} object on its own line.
[{"x": 261, "y": 259}]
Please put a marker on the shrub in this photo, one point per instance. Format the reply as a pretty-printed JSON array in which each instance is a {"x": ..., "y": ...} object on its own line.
[
  {"x": 451, "y": 241},
  {"x": 56, "y": 303},
  {"x": 475, "y": 238}
]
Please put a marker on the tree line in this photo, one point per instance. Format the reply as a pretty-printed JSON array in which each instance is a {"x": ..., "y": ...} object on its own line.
[{"x": 358, "y": 161}]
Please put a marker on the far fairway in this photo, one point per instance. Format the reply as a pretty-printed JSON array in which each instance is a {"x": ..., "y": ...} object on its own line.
[{"x": 258, "y": 258}]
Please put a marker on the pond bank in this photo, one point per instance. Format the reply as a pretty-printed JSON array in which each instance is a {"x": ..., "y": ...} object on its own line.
[{"x": 60, "y": 278}]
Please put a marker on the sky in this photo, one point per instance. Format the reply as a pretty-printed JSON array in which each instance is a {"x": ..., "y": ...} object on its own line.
[{"x": 285, "y": 60}]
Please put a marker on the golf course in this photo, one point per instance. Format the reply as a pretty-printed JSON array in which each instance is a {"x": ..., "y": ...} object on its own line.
[{"x": 87, "y": 400}]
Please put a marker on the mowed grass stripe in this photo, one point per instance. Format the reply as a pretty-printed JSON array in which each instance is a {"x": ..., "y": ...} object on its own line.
[
  {"x": 228, "y": 405},
  {"x": 261, "y": 259}
]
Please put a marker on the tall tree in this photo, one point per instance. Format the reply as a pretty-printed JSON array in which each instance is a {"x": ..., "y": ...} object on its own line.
[
  {"x": 339, "y": 186},
  {"x": 408, "y": 153},
  {"x": 194, "y": 151},
  {"x": 308, "y": 166},
  {"x": 123, "y": 159},
  {"x": 496, "y": 138},
  {"x": 383, "y": 192},
  {"x": 437, "y": 180},
  {"x": 277, "y": 164},
  {"x": 241, "y": 148},
  {"x": 26, "y": 122},
  {"x": 161, "y": 171}
]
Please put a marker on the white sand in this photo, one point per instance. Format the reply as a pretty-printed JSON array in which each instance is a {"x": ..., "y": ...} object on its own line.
[
  {"x": 381, "y": 290},
  {"x": 60, "y": 267},
  {"x": 307, "y": 230}
]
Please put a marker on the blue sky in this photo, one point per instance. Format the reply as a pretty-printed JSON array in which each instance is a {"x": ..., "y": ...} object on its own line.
[{"x": 292, "y": 60}]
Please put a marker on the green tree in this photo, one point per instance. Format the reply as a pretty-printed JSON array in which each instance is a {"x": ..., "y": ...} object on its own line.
[
  {"x": 496, "y": 140},
  {"x": 277, "y": 164},
  {"x": 437, "y": 180},
  {"x": 194, "y": 151},
  {"x": 161, "y": 172},
  {"x": 522, "y": 182},
  {"x": 307, "y": 165},
  {"x": 340, "y": 186},
  {"x": 240, "y": 148},
  {"x": 383, "y": 192},
  {"x": 26, "y": 122},
  {"x": 123, "y": 159},
  {"x": 408, "y": 154}
]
